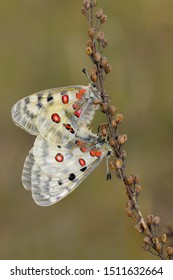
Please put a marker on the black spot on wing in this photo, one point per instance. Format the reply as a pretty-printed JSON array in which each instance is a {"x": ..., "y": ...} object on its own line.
[
  {"x": 60, "y": 182},
  {"x": 49, "y": 98},
  {"x": 27, "y": 100},
  {"x": 83, "y": 169},
  {"x": 72, "y": 177}
]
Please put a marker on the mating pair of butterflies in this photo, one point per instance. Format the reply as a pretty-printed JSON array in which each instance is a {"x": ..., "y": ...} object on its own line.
[{"x": 65, "y": 150}]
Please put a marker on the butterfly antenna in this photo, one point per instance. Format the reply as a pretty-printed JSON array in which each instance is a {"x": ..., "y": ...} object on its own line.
[
  {"x": 86, "y": 73},
  {"x": 108, "y": 176}
]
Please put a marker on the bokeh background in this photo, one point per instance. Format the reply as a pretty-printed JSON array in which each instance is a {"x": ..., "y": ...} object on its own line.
[{"x": 43, "y": 46}]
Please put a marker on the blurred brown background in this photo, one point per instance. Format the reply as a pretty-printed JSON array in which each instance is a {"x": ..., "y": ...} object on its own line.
[{"x": 43, "y": 46}]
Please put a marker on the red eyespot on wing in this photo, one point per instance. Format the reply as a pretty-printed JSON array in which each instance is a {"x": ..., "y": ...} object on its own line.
[
  {"x": 75, "y": 105},
  {"x": 67, "y": 126},
  {"x": 92, "y": 153},
  {"x": 79, "y": 95},
  {"x": 79, "y": 143},
  {"x": 83, "y": 149},
  {"x": 98, "y": 153},
  {"x": 78, "y": 113},
  {"x": 56, "y": 118},
  {"x": 82, "y": 91},
  {"x": 65, "y": 99},
  {"x": 59, "y": 157},
  {"x": 82, "y": 162}
]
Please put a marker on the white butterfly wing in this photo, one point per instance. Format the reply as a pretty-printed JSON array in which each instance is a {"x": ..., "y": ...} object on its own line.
[{"x": 51, "y": 180}]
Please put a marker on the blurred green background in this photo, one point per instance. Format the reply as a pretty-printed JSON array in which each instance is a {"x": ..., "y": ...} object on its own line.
[{"x": 43, "y": 46}]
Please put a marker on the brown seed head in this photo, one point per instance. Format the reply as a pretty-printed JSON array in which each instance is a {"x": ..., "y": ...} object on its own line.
[
  {"x": 164, "y": 238},
  {"x": 105, "y": 43},
  {"x": 89, "y": 43},
  {"x": 159, "y": 247},
  {"x": 129, "y": 212},
  {"x": 103, "y": 19},
  {"x": 104, "y": 131},
  {"x": 146, "y": 247},
  {"x": 99, "y": 13},
  {"x": 108, "y": 68},
  {"x": 112, "y": 110},
  {"x": 136, "y": 179},
  {"x": 125, "y": 137},
  {"x": 118, "y": 163},
  {"x": 112, "y": 142},
  {"x": 112, "y": 165},
  {"x": 88, "y": 51},
  {"x": 150, "y": 219},
  {"x": 170, "y": 252},
  {"x": 87, "y": 4},
  {"x": 119, "y": 118},
  {"x": 147, "y": 240},
  {"x": 104, "y": 107},
  {"x": 84, "y": 11},
  {"x": 97, "y": 101},
  {"x": 155, "y": 240},
  {"x": 113, "y": 123},
  {"x": 91, "y": 32},
  {"x": 130, "y": 180},
  {"x": 156, "y": 221},
  {"x": 138, "y": 189},
  {"x": 121, "y": 139},
  {"x": 103, "y": 61},
  {"x": 94, "y": 77},
  {"x": 97, "y": 56},
  {"x": 139, "y": 228},
  {"x": 100, "y": 36},
  {"x": 124, "y": 154}
]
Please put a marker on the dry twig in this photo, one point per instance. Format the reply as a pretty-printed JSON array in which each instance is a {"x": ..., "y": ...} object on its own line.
[{"x": 94, "y": 49}]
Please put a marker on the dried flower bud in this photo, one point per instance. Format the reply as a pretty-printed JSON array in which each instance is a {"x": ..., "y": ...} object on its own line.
[
  {"x": 103, "y": 61},
  {"x": 112, "y": 165},
  {"x": 156, "y": 221},
  {"x": 124, "y": 154},
  {"x": 108, "y": 68},
  {"x": 146, "y": 247},
  {"x": 103, "y": 19},
  {"x": 130, "y": 180},
  {"x": 84, "y": 11},
  {"x": 155, "y": 240},
  {"x": 100, "y": 36},
  {"x": 94, "y": 77},
  {"x": 96, "y": 101},
  {"x": 159, "y": 247},
  {"x": 89, "y": 43},
  {"x": 164, "y": 238},
  {"x": 112, "y": 142},
  {"x": 88, "y": 51},
  {"x": 99, "y": 13},
  {"x": 129, "y": 212},
  {"x": 150, "y": 219},
  {"x": 91, "y": 32},
  {"x": 104, "y": 131},
  {"x": 125, "y": 137},
  {"x": 139, "y": 228},
  {"x": 138, "y": 189},
  {"x": 87, "y": 4},
  {"x": 105, "y": 43},
  {"x": 121, "y": 139},
  {"x": 170, "y": 252},
  {"x": 118, "y": 163},
  {"x": 136, "y": 179},
  {"x": 97, "y": 56},
  {"x": 147, "y": 240},
  {"x": 129, "y": 204},
  {"x": 112, "y": 110},
  {"x": 118, "y": 118},
  {"x": 104, "y": 107},
  {"x": 113, "y": 123}
]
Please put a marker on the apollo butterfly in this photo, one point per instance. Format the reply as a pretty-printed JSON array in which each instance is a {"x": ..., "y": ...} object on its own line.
[
  {"x": 65, "y": 150},
  {"x": 51, "y": 172},
  {"x": 57, "y": 114}
]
